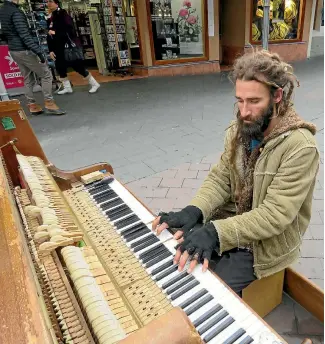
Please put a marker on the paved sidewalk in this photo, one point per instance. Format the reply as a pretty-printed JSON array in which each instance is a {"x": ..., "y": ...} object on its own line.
[{"x": 161, "y": 135}]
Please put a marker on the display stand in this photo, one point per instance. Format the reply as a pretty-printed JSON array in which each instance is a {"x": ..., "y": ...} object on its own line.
[
  {"x": 82, "y": 29},
  {"x": 116, "y": 34}
]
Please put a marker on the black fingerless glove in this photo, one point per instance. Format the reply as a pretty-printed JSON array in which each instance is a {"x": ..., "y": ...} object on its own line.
[
  {"x": 183, "y": 220},
  {"x": 201, "y": 242}
]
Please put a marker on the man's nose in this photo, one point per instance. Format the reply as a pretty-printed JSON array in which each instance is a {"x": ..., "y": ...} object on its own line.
[{"x": 245, "y": 112}]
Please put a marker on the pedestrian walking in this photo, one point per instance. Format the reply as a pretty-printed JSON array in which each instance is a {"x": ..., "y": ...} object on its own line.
[
  {"x": 28, "y": 55},
  {"x": 65, "y": 48}
]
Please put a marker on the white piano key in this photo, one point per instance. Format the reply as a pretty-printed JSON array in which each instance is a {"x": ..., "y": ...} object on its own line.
[
  {"x": 143, "y": 213},
  {"x": 123, "y": 217},
  {"x": 106, "y": 201},
  {"x": 208, "y": 306},
  {"x": 109, "y": 209},
  {"x": 235, "y": 326},
  {"x": 167, "y": 278},
  {"x": 252, "y": 330},
  {"x": 126, "y": 227},
  {"x": 265, "y": 336},
  {"x": 129, "y": 243},
  {"x": 137, "y": 254},
  {"x": 151, "y": 268}
]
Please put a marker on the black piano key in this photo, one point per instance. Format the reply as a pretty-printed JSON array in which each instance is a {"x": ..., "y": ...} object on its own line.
[
  {"x": 117, "y": 210},
  {"x": 99, "y": 189},
  {"x": 106, "y": 198},
  {"x": 150, "y": 250},
  {"x": 234, "y": 336},
  {"x": 184, "y": 290},
  {"x": 180, "y": 284},
  {"x": 166, "y": 272},
  {"x": 161, "y": 249},
  {"x": 138, "y": 234},
  {"x": 207, "y": 315},
  {"x": 111, "y": 204},
  {"x": 143, "y": 246},
  {"x": 105, "y": 181},
  {"x": 193, "y": 298},
  {"x": 120, "y": 214},
  {"x": 218, "y": 329},
  {"x": 247, "y": 340},
  {"x": 107, "y": 194},
  {"x": 143, "y": 240},
  {"x": 133, "y": 229},
  {"x": 199, "y": 304},
  {"x": 157, "y": 260},
  {"x": 214, "y": 321},
  {"x": 127, "y": 221},
  {"x": 174, "y": 280}
]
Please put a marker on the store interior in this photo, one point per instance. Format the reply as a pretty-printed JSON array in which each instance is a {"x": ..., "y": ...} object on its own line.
[{"x": 107, "y": 31}]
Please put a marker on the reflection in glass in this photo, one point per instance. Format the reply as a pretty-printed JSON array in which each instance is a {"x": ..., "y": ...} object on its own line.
[
  {"x": 177, "y": 28},
  {"x": 284, "y": 20}
]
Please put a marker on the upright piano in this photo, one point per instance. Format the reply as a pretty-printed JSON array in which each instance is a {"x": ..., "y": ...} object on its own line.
[{"x": 80, "y": 263}]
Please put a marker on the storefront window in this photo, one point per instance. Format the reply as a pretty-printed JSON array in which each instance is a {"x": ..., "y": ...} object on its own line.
[
  {"x": 132, "y": 35},
  {"x": 177, "y": 28},
  {"x": 284, "y": 20}
]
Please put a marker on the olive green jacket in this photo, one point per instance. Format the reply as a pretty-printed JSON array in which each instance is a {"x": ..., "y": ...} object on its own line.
[{"x": 284, "y": 180}]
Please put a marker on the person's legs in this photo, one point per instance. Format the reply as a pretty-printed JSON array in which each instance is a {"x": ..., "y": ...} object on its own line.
[
  {"x": 62, "y": 69},
  {"x": 79, "y": 67},
  {"x": 29, "y": 61},
  {"x": 29, "y": 80},
  {"x": 235, "y": 268}
]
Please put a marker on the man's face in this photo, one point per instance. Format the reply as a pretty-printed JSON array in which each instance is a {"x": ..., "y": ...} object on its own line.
[{"x": 255, "y": 107}]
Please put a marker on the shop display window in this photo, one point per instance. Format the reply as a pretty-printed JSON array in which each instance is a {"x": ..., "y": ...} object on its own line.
[
  {"x": 285, "y": 20},
  {"x": 178, "y": 30}
]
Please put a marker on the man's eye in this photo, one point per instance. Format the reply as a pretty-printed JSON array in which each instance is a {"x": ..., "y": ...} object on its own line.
[{"x": 254, "y": 101}]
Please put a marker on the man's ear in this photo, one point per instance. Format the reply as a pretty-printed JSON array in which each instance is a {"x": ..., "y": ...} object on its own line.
[{"x": 278, "y": 95}]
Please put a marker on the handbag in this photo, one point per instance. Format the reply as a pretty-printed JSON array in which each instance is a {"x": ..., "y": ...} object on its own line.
[{"x": 72, "y": 52}]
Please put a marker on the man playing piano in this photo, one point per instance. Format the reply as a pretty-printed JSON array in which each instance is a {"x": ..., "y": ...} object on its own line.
[{"x": 248, "y": 218}]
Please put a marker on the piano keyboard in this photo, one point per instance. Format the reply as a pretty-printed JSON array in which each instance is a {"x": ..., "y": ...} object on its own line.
[{"x": 119, "y": 227}]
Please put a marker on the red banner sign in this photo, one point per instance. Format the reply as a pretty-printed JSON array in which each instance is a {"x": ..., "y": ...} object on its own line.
[{"x": 9, "y": 69}]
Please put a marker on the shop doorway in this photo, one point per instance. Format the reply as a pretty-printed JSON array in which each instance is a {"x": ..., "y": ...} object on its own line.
[{"x": 108, "y": 32}]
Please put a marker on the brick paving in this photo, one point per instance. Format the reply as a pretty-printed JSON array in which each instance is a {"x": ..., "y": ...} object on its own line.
[{"x": 162, "y": 137}]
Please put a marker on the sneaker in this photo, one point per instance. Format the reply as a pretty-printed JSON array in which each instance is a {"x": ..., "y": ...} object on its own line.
[
  {"x": 52, "y": 109},
  {"x": 35, "y": 109}
]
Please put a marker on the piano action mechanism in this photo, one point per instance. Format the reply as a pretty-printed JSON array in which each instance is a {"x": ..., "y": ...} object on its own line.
[{"x": 80, "y": 263}]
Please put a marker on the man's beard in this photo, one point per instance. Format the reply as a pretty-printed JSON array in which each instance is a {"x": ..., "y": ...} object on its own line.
[{"x": 255, "y": 129}]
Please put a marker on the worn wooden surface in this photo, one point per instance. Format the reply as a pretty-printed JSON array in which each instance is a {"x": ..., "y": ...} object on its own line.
[
  {"x": 306, "y": 293},
  {"x": 20, "y": 312},
  {"x": 27, "y": 142},
  {"x": 265, "y": 294}
]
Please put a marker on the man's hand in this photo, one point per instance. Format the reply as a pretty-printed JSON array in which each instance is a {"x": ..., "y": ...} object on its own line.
[
  {"x": 41, "y": 57},
  {"x": 185, "y": 220},
  {"x": 52, "y": 32},
  {"x": 198, "y": 246},
  {"x": 52, "y": 56}
]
